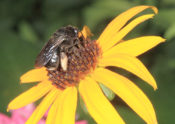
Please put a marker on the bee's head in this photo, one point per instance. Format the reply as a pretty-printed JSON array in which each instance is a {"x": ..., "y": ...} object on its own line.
[{"x": 67, "y": 31}]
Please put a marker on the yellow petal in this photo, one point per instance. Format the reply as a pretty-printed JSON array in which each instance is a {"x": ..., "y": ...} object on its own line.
[
  {"x": 136, "y": 46},
  {"x": 30, "y": 95},
  {"x": 43, "y": 106},
  {"x": 34, "y": 75},
  {"x": 67, "y": 107},
  {"x": 86, "y": 32},
  {"x": 97, "y": 104},
  {"x": 131, "y": 64},
  {"x": 129, "y": 92},
  {"x": 116, "y": 24},
  {"x": 52, "y": 111},
  {"x": 123, "y": 32}
]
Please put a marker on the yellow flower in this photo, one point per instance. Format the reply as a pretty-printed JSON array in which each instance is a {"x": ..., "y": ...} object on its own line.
[{"x": 108, "y": 50}]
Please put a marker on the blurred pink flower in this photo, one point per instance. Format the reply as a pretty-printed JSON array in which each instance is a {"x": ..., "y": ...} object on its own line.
[
  {"x": 21, "y": 115},
  {"x": 81, "y": 122},
  {"x": 4, "y": 119}
]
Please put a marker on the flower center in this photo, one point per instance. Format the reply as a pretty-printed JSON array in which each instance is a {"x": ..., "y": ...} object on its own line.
[{"x": 81, "y": 61}]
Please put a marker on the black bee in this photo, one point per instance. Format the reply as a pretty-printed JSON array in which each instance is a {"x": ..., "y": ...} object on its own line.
[{"x": 55, "y": 52}]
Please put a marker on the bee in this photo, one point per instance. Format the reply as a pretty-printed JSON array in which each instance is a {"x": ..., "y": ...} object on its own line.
[{"x": 54, "y": 54}]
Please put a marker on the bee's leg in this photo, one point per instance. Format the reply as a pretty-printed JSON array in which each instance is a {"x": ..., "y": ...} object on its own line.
[
  {"x": 76, "y": 52},
  {"x": 57, "y": 62}
]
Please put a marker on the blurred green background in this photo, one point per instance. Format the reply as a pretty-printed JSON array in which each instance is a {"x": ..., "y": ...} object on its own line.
[{"x": 25, "y": 25}]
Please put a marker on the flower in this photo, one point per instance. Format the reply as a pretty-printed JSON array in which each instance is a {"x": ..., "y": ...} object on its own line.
[
  {"x": 19, "y": 116},
  {"x": 4, "y": 119},
  {"x": 60, "y": 88}
]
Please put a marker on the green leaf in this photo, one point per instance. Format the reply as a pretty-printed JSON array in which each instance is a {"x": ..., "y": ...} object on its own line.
[
  {"x": 165, "y": 18},
  {"x": 27, "y": 33},
  {"x": 109, "y": 93},
  {"x": 170, "y": 32},
  {"x": 168, "y": 2},
  {"x": 16, "y": 58},
  {"x": 101, "y": 10}
]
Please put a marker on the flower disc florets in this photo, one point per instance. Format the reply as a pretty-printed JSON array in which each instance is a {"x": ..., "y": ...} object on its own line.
[{"x": 80, "y": 63}]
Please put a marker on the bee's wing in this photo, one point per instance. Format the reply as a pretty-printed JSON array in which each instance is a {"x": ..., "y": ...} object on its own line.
[{"x": 47, "y": 51}]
